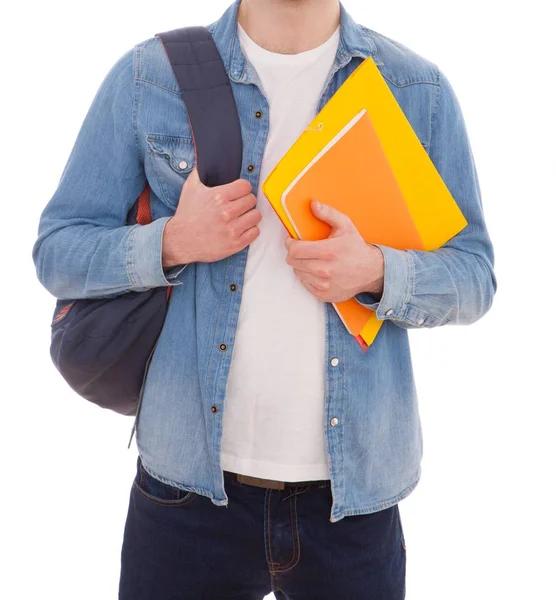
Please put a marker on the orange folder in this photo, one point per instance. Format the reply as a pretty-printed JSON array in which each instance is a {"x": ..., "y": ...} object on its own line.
[{"x": 352, "y": 174}]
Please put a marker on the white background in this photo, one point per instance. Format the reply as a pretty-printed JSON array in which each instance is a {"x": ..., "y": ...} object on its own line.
[{"x": 481, "y": 522}]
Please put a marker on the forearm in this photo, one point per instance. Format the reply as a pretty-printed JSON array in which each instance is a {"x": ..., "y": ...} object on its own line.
[
  {"x": 455, "y": 283},
  {"x": 77, "y": 260}
]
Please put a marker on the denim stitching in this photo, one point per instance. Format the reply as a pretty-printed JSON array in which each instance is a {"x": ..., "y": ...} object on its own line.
[
  {"x": 135, "y": 109},
  {"x": 198, "y": 490},
  {"x": 346, "y": 512},
  {"x": 271, "y": 563},
  {"x": 158, "y": 85},
  {"x": 410, "y": 283},
  {"x": 185, "y": 501},
  {"x": 436, "y": 106},
  {"x": 369, "y": 34},
  {"x": 137, "y": 61},
  {"x": 285, "y": 567},
  {"x": 130, "y": 264},
  {"x": 177, "y": 502},
  {"x": 407, "y": 84},
  {"x": 150, "y": 42},
  {"x": 171, "y": 139},
  {"x": 164, "y": 193},
  {"x": 169, "y": 154},
  {"x": 295, "y": 537},
  {"x": 411, "y": 276}
]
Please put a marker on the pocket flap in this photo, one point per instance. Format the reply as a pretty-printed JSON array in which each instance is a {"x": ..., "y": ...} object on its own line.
[{"x": 178, "y": 151}]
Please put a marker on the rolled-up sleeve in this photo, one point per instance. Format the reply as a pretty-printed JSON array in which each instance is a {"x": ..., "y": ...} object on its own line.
[{"x": 456, "y": 283}]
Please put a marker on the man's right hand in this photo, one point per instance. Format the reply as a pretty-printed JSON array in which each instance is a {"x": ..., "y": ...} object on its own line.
[{"x": 210, "y": 223}]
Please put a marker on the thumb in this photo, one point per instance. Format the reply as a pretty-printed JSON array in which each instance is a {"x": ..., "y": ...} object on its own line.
[
  {"x": 327, "y": 213},
  {"x": 189, "y": 188},
  {"x": 193, "y": 177}
]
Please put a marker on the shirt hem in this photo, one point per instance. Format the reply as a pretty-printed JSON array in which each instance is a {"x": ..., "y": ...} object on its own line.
[{"x": 338, "y": 515}]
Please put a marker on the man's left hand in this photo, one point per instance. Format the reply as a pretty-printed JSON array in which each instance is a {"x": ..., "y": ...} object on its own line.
[{"x": 340, "y": 266}]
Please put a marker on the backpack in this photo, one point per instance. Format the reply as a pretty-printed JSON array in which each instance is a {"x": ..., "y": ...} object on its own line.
[{"x": 103, "y": 346}]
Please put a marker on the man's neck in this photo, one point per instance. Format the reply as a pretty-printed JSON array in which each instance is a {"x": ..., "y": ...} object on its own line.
[{"x": 289, "y": 26}]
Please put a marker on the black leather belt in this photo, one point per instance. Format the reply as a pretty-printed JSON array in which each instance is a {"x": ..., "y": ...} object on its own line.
[{"x": 274, "y": 484}]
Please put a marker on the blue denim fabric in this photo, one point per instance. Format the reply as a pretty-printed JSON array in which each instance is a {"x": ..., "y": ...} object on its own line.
[
  {"x": 179, "y": 546},
  {"x": 136, "y": 131}
]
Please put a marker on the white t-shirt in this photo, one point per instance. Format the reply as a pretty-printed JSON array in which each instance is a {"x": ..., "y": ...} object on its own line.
[{"x": 273, "y": 424}]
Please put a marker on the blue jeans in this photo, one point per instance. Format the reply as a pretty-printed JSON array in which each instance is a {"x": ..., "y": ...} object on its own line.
[{"x": 179, "y": 546}]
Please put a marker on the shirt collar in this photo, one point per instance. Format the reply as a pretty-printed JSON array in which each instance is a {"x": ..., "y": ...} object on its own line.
[{"x": 354, "y": 42}]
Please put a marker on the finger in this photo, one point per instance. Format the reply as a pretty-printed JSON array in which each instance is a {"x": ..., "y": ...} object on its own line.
[
  {"x": 313, "y": 290},
  {"x": 193, "y": 177},
  {"x": 248, "y": 237},
  {"x": 314, "y": 267},
  {"x": 246, "y": 221},
  {"x": 308, "y": 278},
  {"x": 321, "y": 249},
  {"x": 234, "y": 190},
  {"x": 233, "y": 209}
]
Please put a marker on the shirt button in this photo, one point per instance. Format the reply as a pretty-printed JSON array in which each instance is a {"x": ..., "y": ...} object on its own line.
[
  {"x": 251, "y": 168},
  {"x": 183, "y": 164},
  {"x": 223, "y": 347},
  {"x": 420, "y": 321},
  {"x": 335, "y": 361},
  {"x": 334, "y": 421},
  {"x": 233, "y": 287},
  {"x": 258, "y": 114},
  {"x": 214, "y": 409},
  {"x": 389, "y": 312}
]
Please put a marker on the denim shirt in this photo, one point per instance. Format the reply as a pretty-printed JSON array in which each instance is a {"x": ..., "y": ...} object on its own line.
[{"x": 137, "y": 131}]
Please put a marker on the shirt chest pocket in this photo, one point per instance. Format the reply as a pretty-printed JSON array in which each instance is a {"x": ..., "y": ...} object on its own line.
[{"x": 169, "y": 162}]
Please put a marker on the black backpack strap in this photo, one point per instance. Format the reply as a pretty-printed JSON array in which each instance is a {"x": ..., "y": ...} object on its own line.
[{"x": 209, "y": 100}]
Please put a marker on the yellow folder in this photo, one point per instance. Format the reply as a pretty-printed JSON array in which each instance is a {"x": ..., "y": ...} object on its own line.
[{"x": 435, "y": 214}]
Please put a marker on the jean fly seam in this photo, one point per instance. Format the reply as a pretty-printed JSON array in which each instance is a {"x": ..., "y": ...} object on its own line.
[
  {"x": 295, "y": 537},
  {"x": 271, "y": 563}
]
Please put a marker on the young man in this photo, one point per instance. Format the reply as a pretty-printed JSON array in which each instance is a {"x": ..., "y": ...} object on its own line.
[{"x": 273, "y": 451}]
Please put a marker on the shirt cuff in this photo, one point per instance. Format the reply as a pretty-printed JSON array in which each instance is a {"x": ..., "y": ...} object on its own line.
[
  {"x": 145, "y": 257},
  {"x": 173, "y": 272},
  {"x": 398, "y": 283}
]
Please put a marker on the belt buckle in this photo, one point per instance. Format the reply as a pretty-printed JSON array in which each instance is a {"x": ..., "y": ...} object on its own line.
[{"x": 263, "y": 483}]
